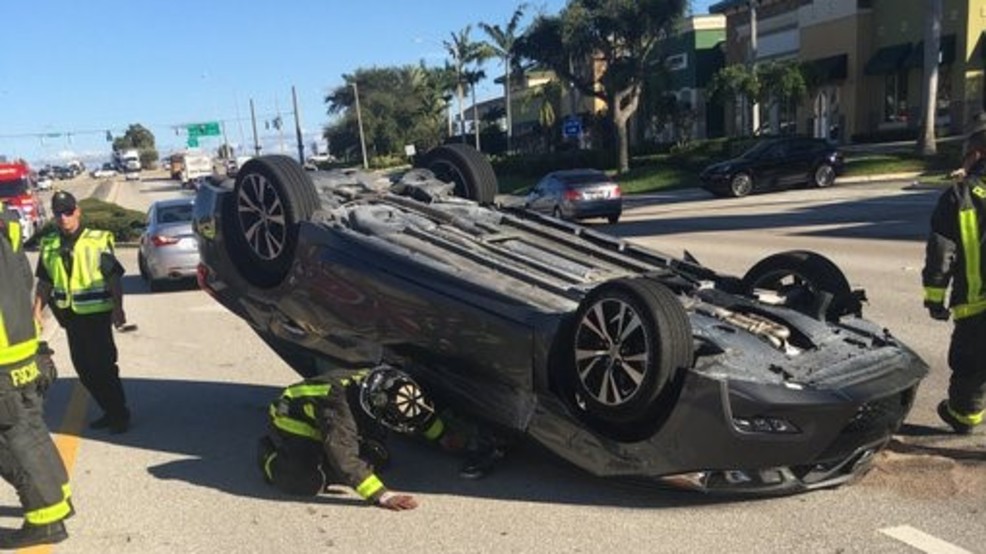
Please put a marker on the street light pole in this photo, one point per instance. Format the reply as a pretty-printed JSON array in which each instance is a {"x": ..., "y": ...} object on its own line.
[{"x": 359, "y": 121}]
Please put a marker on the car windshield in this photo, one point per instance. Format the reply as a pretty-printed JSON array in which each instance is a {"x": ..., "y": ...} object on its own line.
[
  {"x": 10, "y": 189},
  {"x": 174, "y": 214}
]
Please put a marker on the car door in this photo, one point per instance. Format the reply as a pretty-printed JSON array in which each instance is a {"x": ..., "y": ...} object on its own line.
[
  {"x": 539, "y": 199},
  {"x": 799, "y": 155},
  {"x": 771, "y": 166}
]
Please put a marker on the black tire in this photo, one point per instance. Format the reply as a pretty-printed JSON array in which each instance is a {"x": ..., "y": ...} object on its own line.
[
  {"x": 802, "y": 276},
  {"x": 613, "y": 219},
  {"x": 142, "y": 267},
  {"x": 629, "y": 338},
  {"x": 741, "y": 184},
  {"x": 466, "y": 167},
  {"x": 271, "y": 196},
  {"x": 823, "y": 176}
]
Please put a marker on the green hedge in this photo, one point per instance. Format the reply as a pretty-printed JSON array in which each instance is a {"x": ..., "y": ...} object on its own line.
[{"x": 125, "y": 224}]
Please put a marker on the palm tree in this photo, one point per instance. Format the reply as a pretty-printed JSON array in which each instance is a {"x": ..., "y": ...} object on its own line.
[
  {"x": 502, "y": 45},
  {"x": 929, "y": 93},
  {"x": 472, "y": 78},
  {"x": 459, "y": 49}
]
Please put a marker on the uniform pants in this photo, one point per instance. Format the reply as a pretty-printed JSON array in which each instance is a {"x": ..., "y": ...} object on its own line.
[
  {"x": 90, "y": 342},
  {"x": 967, "y": 358},
  {"x": 295, "y": 467},
  {"x": 28, "y": 458}
]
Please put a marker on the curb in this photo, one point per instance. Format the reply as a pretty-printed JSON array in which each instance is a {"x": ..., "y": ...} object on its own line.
[{"x": 903, "y": 176}]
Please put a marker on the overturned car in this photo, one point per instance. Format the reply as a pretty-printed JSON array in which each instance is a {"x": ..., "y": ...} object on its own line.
[{"x": 622, "y": 360}]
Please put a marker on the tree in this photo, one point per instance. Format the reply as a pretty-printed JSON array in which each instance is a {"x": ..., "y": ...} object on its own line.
[
  {"x": 773, "y": 85},
  {"x": 399, "y": 106},
  {"x": 502, "y": 43},
  {"x": 929, "y": 86},
  {"x": 604, "y": 48},
  {"x": 463, "y": 51},
  {"x": 141, "y": 139}
]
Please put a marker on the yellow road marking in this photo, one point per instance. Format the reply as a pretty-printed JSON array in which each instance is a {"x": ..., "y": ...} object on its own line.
[{"x": 67, "y": 442}]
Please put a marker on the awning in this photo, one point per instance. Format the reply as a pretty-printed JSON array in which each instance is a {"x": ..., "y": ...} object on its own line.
[
  {"x": 824, "y": 70},
  {"x": 946, "y": 53},
  {"x": 888, "y": 59}
]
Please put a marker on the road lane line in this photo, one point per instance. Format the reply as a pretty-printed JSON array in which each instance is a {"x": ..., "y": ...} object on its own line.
[
  {"x": 922, "y": 541},
  {"x": 67, "y": 442}
]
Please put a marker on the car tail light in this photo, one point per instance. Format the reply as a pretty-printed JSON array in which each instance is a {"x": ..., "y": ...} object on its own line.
[
  {"x": 615, "y": 192},
  {"x": 202, "y": 277},
  {"x": 572, "y": 195},
  {"x": 163, "y": 240}
]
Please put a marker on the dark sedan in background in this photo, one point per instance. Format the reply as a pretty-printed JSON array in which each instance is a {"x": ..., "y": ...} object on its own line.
[
  {"x": 775, "y": 163},
  {"x": 577, "y": 194}
]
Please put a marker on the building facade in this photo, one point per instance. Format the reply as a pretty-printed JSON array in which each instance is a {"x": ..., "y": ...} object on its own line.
[{"x": 863, "y": 61}]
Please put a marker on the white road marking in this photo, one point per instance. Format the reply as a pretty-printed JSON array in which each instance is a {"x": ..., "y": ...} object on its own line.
[{"x": 922, "y": 541}]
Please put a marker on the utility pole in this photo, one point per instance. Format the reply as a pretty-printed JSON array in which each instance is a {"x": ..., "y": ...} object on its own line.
[
  {"x": 754, "y": 107},
  {"x": 253, "y": 118},
  {"x": 359, "y": 121},
  {"x": 297, "y": 126}
]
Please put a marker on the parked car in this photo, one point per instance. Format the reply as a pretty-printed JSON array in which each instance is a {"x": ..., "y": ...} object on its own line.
[
  {"x": 620, "y": 359},
  {"x": 775, "y": 163},
  {"x": 105, "y": 171},
  {"x": 168, "y": 249},
  {"x": 577, "y": 194}
]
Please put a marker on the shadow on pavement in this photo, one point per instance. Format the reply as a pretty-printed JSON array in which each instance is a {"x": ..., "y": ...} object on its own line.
[{"x": 217, "y": 425}]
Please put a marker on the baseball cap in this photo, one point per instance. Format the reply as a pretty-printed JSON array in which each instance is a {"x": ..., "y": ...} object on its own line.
[{"x": 63, "y": 202}]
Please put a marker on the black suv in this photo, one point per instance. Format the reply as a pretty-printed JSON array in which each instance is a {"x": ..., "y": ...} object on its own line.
[{"x": 775, "y": 163}]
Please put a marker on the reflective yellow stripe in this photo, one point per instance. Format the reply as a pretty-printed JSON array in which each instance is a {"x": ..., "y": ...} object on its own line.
[
  {"x": 434, "y": 430},
  {"x": 934, "y": 294},
  {"x": 969, "y": 228},
  {"x": 17, "y": 352},
  {"x": 267, "y": 463},
  {"x": 304, "y": 389},
  {"x": 293, "y": 426},
  {"x": 968, "y": 310},
  {"x": 66, "y": 491},
  {"x": 49, "y": 514},
  {"x": 971, "y": 419},
  {"x": 14, "y": 232},
  {"x": 309, "y": 410},
  {"x": 370, "y": 486}
]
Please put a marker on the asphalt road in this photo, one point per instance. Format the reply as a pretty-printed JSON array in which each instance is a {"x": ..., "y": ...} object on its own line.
[{"x": 184, "y": 480}]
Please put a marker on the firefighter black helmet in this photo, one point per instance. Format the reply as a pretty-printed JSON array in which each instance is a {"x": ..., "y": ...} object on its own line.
[{"x": 394, "y": 399}]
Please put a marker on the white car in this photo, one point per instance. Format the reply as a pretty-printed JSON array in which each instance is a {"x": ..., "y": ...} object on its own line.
[
  {"x": 45, "y": 183},
  {"x": 104, "y": 172}
]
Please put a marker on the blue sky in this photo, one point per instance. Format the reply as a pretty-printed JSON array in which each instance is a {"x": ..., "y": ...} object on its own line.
[{"x": 71, "y": 69}]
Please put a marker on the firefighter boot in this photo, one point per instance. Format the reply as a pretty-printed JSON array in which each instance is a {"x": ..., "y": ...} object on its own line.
[
  {"x": 948, "y": 416},
  {"x": 33, "y": 535}
]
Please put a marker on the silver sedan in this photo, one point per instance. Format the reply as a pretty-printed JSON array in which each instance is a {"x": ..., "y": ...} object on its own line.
[{"x": 168, "y": 249}]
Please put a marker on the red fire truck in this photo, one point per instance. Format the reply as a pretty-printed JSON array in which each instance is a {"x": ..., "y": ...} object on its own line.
[{"x": 17, "y": 191}]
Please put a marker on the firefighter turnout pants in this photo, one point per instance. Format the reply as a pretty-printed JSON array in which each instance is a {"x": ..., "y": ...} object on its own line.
[
  {"x": 967, "y": 358},
  {"x": 28, "y": 458}
]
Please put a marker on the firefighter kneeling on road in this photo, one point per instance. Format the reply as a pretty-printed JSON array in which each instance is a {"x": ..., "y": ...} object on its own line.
[{"x": 330, "y": 430}]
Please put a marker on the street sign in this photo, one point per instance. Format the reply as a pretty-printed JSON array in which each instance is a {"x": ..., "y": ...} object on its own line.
[
  {"x": 193, "y": 142},
  {"x": 208, "y": 129},
  {"x": 572, "y": 127}
]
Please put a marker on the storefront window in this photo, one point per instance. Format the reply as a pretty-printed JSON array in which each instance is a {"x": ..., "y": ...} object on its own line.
[{"x": 895, "y": 103}]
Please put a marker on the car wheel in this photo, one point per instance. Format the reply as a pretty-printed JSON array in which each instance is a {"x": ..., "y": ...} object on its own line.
[
  {"x": 142, "y": 267},
  {"x": 630, "y": 337},
  {"x": 806, "y": 281},
  {"x": 271, "y": 196},
  {"x": 740, "y": 185},
  {"x": 613, "y": 219},
  {"x": 466, "y": 167},
  {"x": 824, "y": 176}
]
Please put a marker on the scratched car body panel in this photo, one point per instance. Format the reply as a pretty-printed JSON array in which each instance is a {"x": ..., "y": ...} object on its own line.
[{"x": 623, "y": 360}]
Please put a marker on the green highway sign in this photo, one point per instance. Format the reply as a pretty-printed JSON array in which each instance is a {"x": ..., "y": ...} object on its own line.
[
  {"x": 193, "y": 142},
  {"x": 208, "y": 129}
]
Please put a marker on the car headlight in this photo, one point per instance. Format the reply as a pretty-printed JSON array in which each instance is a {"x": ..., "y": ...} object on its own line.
[{"x": 765, "y": 424}]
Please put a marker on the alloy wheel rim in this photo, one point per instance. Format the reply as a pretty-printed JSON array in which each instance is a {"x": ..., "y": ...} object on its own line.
[
  {"x": 262, "y": 217},
  {"x": 612, "y": 352},
  {"x": 825, "y": 175},
  {"x": 742, "y": 185}
]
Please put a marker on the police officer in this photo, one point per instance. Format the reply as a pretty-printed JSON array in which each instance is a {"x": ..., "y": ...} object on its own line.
[
  {"x": 954, "y": 256},
  {"x": 79, "y": 276},
  {"x": 330, "y": 430},
  {"x": 28, "y": 458}
]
